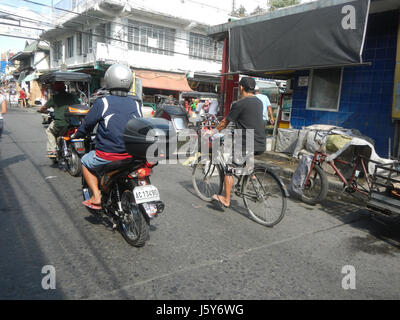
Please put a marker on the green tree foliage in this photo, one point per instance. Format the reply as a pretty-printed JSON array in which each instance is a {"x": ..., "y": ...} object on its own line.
[
  {"x": 276, "y": 4},
  {"x": 239, "y": 12},
  {"x": 258, "y": 10}
]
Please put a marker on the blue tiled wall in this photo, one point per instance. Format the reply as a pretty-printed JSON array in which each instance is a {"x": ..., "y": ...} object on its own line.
[{"x": 367, "y": 91}]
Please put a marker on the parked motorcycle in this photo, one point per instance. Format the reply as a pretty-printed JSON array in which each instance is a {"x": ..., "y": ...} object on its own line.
[{"x": 129, "y": 201}]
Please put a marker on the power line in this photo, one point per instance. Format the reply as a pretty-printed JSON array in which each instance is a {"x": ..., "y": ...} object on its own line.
[
  {"x": 109, "y": 38},
  {"x": 20, "y": 37},
  {"x": 103, "y": 19}
]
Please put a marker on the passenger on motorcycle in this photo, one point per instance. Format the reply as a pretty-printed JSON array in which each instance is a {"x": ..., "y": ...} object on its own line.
[
  {"x": 111, "y": 113},
  {"x": 59, "y": 101}
]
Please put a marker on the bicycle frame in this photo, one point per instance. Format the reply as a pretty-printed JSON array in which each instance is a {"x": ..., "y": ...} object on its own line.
[{"x": 320, "y": 157}]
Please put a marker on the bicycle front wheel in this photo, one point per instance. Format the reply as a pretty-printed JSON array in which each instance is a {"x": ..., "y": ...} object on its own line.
[
  {"x": 207, "y": 179},
  {"x": 264, "y": 197}
]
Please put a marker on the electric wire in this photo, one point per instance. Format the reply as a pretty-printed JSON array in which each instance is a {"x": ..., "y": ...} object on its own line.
[{"x": 107, "y": 37}]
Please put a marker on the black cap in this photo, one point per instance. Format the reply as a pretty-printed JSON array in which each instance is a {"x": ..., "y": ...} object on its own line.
[{"x": 248, "y": 83}]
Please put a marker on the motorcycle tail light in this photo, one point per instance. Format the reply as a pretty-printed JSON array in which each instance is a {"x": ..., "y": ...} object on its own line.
[
  {"x": 150, "y": 164},
  {"x": 140, "y": 173},
  {"x": 144, "y": 172}
]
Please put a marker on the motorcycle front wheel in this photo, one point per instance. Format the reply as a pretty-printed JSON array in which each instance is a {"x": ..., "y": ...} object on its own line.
[{"x": 134, "y": 226}]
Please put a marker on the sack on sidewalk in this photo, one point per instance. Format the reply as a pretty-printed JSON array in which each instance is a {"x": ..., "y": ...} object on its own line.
[{"x": 296, "y": 185}]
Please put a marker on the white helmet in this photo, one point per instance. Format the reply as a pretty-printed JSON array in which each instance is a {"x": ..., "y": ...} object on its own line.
[{"x": 118, "y": 77}]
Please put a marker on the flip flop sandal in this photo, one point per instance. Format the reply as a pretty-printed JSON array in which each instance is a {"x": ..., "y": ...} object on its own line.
[
  {"x": 91, "y": 205},
  {"x": 219, "y": 204}
]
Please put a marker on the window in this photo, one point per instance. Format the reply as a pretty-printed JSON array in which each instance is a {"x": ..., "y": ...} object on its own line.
[
  {"x": 151, "y": 38},
  {"x": 79, "y": 43},
  {"x": 103, "y": 32},
  {"x": 324, "y": 89},
  {"x": 70, "y": 47},
  {"x": 204, "y": 48},
  {"x": 88, "y": 42},
  {"x": 57, "y": 46}
]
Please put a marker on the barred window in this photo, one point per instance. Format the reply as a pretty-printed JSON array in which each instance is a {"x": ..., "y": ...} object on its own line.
[
  {"x": 70, "y": 47},
  {"x": 88, "y": 41},
  {"x": 57, "y": 47},
  {"x": 204, "y": 48},
  {"x": 103, "y": 32},
  {"x": 150, "y": 38},
  {"x": 79, "y": 43}
]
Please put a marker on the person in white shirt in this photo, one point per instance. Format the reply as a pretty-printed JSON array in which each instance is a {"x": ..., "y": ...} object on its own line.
[{"x": 3, "y": 110}]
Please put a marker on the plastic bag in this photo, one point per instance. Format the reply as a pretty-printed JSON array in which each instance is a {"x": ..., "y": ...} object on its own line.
[{"x": 296, "y": 185}]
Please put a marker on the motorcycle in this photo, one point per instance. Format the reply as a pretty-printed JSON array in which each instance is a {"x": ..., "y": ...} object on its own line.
[
  {"x": 70, "y": 151},
  {"x": 128, "y": 199}
]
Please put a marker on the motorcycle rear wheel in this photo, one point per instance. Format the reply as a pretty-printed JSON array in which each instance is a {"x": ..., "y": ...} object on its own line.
[
  {"x": 74, "y": 164},
  {"x": 135, "y": 228}
]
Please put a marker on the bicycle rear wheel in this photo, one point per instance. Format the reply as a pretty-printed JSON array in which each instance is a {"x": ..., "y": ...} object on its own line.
[
  {"x": 264, "y": 197},
  {"x": 207, "y": 179},
  {"x": 316, "y": 189}
]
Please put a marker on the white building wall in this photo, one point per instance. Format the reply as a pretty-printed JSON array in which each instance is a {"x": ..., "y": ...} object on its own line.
[
  {"x": 41, "y": 61},
  {"x": 117, "y": 51}
]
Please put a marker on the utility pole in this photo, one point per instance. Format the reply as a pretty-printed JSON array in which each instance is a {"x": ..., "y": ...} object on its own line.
[{"x": 233, "y": 6}]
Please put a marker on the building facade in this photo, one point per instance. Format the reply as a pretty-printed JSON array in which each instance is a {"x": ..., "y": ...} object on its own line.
[
  {"x": 95, "y": 34},
  {"x": 361, "y": 95}
]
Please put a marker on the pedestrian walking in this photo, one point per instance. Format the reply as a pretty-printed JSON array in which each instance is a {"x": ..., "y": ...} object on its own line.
[
  {"x": 22, "y": 97},
  {"x": 3, "y": 110}
]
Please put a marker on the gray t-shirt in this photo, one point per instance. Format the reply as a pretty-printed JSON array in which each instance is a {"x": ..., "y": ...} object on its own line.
[{"x": 247, "y": 113}]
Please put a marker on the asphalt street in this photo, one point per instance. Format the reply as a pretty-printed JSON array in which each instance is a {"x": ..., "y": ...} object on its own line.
[{"x": 194, "y": 251}]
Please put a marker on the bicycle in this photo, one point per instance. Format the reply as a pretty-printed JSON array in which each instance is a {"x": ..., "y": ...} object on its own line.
[
  {"x": 260, "y": 187},
  {"x": 316, "y": 184}
]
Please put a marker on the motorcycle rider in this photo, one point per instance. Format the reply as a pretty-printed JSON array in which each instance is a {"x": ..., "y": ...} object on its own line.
[
  {"x": 59, "y": 101},
  {"x": 111, "y": 113}
]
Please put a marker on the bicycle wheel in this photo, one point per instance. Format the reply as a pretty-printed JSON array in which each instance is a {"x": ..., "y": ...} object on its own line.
[
  {"x": 316, "y": 189},
  {"x": 207, "y": 179},
  {"x": 264, "y": 197}
]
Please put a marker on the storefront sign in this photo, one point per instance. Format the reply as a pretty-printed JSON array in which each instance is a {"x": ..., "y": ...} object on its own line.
[{"x": 303, "y": 82}]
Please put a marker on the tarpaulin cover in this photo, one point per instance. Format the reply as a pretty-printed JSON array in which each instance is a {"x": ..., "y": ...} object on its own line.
[
  {"x": 163, "y": 80},
  {"x": 327, "y": 36}
]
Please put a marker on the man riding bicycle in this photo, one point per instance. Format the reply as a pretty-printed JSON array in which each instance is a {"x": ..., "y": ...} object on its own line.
[{"x": 247, "y": 114}]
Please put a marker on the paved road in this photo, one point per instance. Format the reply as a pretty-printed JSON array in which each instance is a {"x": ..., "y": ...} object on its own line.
[{"x": 194, "y": 252}]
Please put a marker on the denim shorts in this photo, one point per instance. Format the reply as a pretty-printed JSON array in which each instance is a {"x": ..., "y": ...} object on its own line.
[{"x": 93, "y": 162}]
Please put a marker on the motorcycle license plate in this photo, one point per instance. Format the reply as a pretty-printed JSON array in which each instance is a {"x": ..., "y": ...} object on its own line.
[{"x": 146, "y": 194}]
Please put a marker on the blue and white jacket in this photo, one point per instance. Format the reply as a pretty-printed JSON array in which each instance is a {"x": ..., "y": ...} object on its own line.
[{"x": 112, "y": 113}]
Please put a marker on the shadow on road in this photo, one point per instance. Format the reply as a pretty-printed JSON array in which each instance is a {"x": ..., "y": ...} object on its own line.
[
  {"x": 13, "y": 160},
  {"x": 358, "y": 217},
  {"x": 21, "y": 260}
]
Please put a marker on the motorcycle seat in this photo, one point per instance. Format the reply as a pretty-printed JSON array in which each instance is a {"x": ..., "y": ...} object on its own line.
[{"x": 118, "y": 165}]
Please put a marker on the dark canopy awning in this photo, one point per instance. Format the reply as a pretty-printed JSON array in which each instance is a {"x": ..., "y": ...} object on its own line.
[
  {"x": 327, "y": 36},
  {"x": 64, "y": 76}
]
